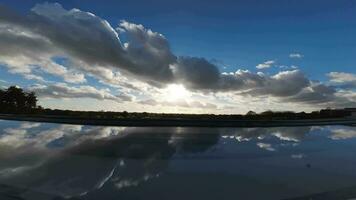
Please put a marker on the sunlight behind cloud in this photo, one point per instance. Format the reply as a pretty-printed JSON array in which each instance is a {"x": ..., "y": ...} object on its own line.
[{"x": 176, "y": 92}]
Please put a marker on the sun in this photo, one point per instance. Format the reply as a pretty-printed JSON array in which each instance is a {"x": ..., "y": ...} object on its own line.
[{"x": 176, "y": 92}]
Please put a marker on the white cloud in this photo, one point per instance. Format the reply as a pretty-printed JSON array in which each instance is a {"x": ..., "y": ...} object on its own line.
[
  {"x": 266, "y": 64},
  {"x": 180, "y": 103},
  {"x": 296, "y": 55},
  {"x": 20, "y": 57},
  {"x": 62, "y": 90},
  {"x": 288, "y": 67},
  {"x": 342, "y": 78},
  {"x": 282, "y": 84},
  {"x": 321, "y": 95}
]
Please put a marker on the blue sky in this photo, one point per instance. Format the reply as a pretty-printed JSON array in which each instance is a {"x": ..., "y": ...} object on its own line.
[{"x": 237, "y": 35}]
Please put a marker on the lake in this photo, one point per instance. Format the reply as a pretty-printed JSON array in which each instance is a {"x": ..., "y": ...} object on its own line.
[{"x": 56, "y": 161}]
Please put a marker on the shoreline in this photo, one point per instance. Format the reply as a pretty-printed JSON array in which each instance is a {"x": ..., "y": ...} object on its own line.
[{"x": 179, "y": 122}]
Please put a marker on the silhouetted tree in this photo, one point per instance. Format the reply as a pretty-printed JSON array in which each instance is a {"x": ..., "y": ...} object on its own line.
[
  {"x": 125, "y": 114},
  {"x": 2, "y": 93},
  {"x": 31, "y": 100},
  {"x": 14, "y": 99},
  {"x": 251, "y": 113},
  {"x": 268, "y": 112}
]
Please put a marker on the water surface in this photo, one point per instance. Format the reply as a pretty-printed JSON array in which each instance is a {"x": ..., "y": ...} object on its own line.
[{"x": 54, "y": 161}]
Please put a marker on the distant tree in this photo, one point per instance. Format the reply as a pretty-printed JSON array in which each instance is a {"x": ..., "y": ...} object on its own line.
[
  {"x": 251, "y": 113},
  {"x": 125, "y": 114},
  {"x": 268, "y": 112}
]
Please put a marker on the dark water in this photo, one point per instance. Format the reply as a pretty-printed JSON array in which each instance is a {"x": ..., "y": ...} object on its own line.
[{"x": 50, "y": 161}]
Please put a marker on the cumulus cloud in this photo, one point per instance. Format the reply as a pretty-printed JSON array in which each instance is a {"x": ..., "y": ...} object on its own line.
[
  {"x": 24, "y": 52},
  {"x": 98, "y": 45},
  {"x": 286, "y": 83},
  {"x": 87, "y": 41},
  {"x": 325, "y": 96},
  {"x": 266, "y": 64},
  {"x": 240, "y": 80},
  {"x": 92, "y": 45},
  {"x": 148, "y": 51},
  {"x": 196, "y": 73},
  {"x": 315, "y": 93},
  {"x": 346, "y": 80},
  {"x": 282, "y": 84},
  {"x": 296, "y": 55}
]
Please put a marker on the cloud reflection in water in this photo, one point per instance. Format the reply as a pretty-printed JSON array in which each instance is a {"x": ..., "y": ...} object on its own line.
[{"x": 74, "y": 161}]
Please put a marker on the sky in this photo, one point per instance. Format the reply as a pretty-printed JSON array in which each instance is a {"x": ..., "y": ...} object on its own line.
[{"x": 198, "y": 56}]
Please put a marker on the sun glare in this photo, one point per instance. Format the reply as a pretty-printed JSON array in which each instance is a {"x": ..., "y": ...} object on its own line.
[{"x": 176, "y": 92}]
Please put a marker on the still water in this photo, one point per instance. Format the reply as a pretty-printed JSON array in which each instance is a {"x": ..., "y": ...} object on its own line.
[{"x": 55, "y": 161}]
